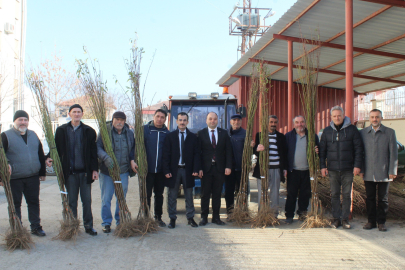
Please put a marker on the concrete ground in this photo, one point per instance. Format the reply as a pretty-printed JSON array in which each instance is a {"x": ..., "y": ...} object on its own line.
[{"x": 209, "y": 247}]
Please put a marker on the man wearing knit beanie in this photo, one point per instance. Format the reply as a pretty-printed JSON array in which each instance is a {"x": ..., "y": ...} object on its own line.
[
  {"x": 27, "y": 167},
  {"x": 123, "y": 141}
]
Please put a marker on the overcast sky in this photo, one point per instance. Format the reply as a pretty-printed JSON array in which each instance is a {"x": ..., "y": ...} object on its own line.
[{"x": 190, "y": 37}]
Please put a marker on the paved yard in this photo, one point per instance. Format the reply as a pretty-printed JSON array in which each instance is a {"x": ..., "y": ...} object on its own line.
[{"x": 209, "y": 247}]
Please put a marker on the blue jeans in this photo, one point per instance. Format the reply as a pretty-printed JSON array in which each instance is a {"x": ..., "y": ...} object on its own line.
[{"x": 107, "y": 192}]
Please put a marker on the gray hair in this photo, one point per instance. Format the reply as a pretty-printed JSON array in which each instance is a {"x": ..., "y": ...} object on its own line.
[
  {"x": 297, "y": 117},
  {"x": 336, "y": 108},
  {"x": 273, "y": 116}
]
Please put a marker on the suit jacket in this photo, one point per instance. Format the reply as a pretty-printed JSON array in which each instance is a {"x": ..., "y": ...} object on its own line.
[
  {"x": 171, "y": 156},
  {"x": 222, "y": 151}
]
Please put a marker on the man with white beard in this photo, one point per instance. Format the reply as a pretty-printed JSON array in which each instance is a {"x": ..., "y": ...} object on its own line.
[{"x": 27, "y": 167}]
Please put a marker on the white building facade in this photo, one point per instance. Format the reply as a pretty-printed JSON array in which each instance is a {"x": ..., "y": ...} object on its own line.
[{"x": 12, "y": 54}]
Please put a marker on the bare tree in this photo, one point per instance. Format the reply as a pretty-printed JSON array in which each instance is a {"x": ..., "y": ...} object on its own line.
[{"x": 59, "y": 83}]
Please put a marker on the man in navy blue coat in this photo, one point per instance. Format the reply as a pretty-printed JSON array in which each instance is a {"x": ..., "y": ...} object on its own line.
[
  {"x": 154, "y": 135},
  {"x": 298, "y": 178},
  {"x": 232, "y": 182},
  {"x": 181, "y": 164}
]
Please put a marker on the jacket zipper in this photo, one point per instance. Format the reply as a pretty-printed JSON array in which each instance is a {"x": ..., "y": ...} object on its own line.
[{"x": 157, "y": 152}]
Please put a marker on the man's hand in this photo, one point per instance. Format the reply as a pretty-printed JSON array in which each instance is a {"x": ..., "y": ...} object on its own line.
[
  {"x": 316, "y": 150},
  {"x": 285, "y": 173},
  {"x": 134, "y": 166},
  {"x": 48, "y": 162},
  {"x": 252, "y": 143},
  {"x": 356, "y": 171},
  {"x": 392, "y": 176},
  {"x": 9, "y": 168},
  {"x": 109, "y": 163},
  {"x": 195, "y": 174},
  {"x": 42, "y": 178},
  {"x": 324, "y": 172},
  {"x": 227, "y": 171},
  {"x": 169, "y": 175},
  {"x": 95, "y": 175},
  {"x": 200, "y": 174},
  {"x": 361, "y": 175},
  {"x": 260, "y": 148}
]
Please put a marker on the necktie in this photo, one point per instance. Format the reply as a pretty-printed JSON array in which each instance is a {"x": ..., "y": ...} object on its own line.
[
  {"x": 181, "y": 147},
  {"x": 213, "y": 142}
]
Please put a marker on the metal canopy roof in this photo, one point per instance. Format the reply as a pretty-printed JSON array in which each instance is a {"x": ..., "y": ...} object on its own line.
[{"x": 378, "y": 27}]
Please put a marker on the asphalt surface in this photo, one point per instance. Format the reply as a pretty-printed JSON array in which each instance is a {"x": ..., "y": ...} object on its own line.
[{"x": 209, "y": 247}]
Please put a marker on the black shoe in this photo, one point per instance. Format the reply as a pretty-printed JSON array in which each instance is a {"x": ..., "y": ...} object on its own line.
[
  {"x": 382, "y": 228},
  {"x": 91, "y": 231},
  {"x": 203, "y": 222},
  {"x": 107, "y": 229},
  {"x": 335, "y": 224},
  {"x": 192, "y": 222},
  {"x": 172, "y": 224},
  {"x": 38, "y": 232},
  {"x": 218, "y": 221},
  {"x": 369, "y": 226},
  {"x": 346, "y": 224},
  {"x": 289, "y": 220},
  {"x": 160, "y": 222}
]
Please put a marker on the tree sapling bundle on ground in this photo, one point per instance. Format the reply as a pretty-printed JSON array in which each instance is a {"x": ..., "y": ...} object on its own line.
[
  {"x": 241, "y": 213},
  {"x": 69, "y": 224},
  {"x": 308, "y": 77},
  {"x": 17, "y": 236},
  {"x": 265, "y": 216},
  {"x": 95, "y": 89},
  {"x": 144, "y": 222}
]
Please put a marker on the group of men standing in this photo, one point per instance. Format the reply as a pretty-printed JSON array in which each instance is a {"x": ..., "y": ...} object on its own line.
[{"x": 214, "y": 155}]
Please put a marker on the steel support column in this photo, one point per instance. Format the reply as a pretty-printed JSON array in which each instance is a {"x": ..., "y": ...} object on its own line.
[
  {"x": 349, "y": 71},
  {"x": 349, "y": 59},
  {"x": 290, "y": 85}
]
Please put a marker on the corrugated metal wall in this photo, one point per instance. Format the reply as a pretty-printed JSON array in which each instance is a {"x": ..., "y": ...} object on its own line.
[{"x": 327, "y": 98}]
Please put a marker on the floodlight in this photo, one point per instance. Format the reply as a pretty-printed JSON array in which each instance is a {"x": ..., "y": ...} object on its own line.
[
  {"x": 236, "y": 20},
  {"x": 215, "y": 95},
  {"x": 270, "y": 13},
  {"x": 192, "y": 95}
]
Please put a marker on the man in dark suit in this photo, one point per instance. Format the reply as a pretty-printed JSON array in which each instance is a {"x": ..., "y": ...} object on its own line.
[
  {"x": 181, "y": 163},
  {"x": 216, "y": 162}
]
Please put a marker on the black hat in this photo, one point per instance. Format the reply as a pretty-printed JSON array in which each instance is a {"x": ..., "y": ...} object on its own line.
[
  {"x": 236, "y": 116},
  {"x": 20, "y": 113},
  {"x": 119, "y": 114},
  {"x": 75, "y": 106}
]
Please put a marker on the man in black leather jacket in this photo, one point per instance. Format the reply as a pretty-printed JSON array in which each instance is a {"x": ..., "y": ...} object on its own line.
[{"x": 341, "y": 156}]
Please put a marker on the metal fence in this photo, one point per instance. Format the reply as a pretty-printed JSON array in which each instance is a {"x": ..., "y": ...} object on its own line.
[{"x": 390, "y": 102}]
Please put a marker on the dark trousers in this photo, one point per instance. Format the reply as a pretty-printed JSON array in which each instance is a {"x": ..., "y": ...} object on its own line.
[
  {"x": 211, "y": 183},
  {"x": 155, "y": 183},
  {"x": 232, "y": 183},
  {"x": 298, "y": 184},
  {"x": 172, "y": 196},
  {"x": 375, "y": 214},
  {"x": 341, "y": 180},
  {"x": 30, "y": 188},
  {"x": 74, "y": 184}
]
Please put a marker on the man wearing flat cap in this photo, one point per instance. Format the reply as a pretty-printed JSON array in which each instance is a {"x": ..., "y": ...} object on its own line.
[
  {"x": 27, "y": 167},
  {"x": 232, "y": 181},
  {"x": 123, "y": 143},
  {"x": 76, "y": 145}
]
